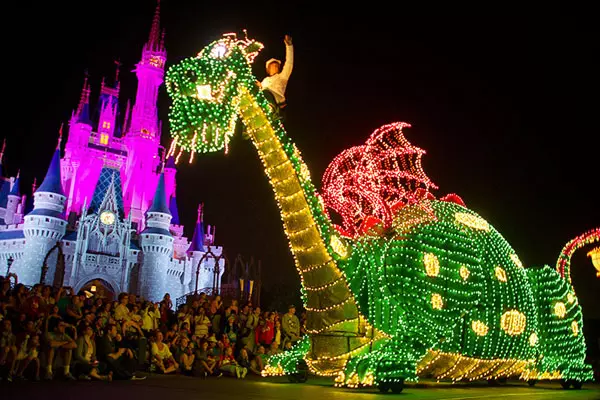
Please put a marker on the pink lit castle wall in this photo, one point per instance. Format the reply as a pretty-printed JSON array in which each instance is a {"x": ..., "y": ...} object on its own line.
[{"x": 106, "y": 212}]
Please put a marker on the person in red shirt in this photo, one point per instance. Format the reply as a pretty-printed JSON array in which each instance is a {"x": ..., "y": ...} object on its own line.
[{"x": 266, "y": 330}]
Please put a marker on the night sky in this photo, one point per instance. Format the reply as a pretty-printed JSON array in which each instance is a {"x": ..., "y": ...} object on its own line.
[{"x": 504, "y": 105}]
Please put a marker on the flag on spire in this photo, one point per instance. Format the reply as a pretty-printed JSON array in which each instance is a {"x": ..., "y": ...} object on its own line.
[{"x": 59, "y": 136}]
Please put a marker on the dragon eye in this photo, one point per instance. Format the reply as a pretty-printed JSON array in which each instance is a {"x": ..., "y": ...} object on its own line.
[{"x": 191, "y": 75}]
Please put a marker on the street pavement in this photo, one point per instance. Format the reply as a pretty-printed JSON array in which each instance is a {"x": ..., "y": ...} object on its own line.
[{"x": 158, "y": 387}]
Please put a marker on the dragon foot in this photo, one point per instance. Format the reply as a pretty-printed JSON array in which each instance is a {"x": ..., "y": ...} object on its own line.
[
  {"x": 386, "y": 368},
  {"x": 290, "y": 362}
]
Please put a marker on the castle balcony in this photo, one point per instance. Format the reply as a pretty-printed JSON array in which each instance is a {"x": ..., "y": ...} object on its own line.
[{"x": 101, "y": 263}]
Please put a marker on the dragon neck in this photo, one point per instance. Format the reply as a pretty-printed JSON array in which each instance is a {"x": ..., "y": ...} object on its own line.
[{"x": 307, "y": 228}]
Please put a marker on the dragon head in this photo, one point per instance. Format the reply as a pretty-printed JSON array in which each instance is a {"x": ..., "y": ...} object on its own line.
[{"x": 203, "y": 90}]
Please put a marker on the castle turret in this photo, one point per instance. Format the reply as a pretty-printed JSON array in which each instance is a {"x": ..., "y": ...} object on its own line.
[
  {"x": 28, "y": 207},
  {"x": 80, "y": 124},
  {"x": 157, "y": 246},
  {"x": 13, "y": 201},
  {"x": 170, "y": 172},
  {"x": 180, "y": 244},
  {"x": 44, "y": 227},
  {"x": 142, "y": 136},
  {"x": 197, "y": 249}
]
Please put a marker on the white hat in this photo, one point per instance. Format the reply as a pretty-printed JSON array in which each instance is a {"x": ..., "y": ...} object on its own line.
[{"x": 272, "y": 60}]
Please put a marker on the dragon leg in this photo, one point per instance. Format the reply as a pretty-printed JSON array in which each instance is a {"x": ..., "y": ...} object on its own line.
[
  {"x": 288, "y": 362},
  {"x": 386, "y": 367}
]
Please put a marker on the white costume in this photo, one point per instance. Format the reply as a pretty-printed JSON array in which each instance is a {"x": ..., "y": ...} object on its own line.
[{"x": 277, "y": 83}]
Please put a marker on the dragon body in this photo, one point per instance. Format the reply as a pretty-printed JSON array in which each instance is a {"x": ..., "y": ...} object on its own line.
[{"x": 437, "y": 292}]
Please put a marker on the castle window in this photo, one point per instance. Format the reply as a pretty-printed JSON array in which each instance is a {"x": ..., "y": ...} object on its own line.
[
  {"x": 47, "y": 220},
  {"x": 104, "y": 137},
  {"x": 106, "y": 125}
]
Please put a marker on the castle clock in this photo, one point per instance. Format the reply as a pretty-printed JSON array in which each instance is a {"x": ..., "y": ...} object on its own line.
[{"x": 107, "y": 217}]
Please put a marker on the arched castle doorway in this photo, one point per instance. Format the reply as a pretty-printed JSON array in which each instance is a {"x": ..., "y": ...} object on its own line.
[{"x": 100, "y": 288}]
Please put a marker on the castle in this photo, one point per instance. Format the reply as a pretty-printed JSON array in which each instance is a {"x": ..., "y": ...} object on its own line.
[{"x": 106, "y": 212}]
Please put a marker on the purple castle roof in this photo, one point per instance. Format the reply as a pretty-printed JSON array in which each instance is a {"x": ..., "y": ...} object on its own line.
[
  {"x": 15, "y": 189},
  {"x": 174, "y": 211},
  {"x": 197, "y": 243},
  {"x": 52, "y": 181}
]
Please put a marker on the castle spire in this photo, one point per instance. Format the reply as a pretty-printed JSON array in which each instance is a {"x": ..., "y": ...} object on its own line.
[
  {"x": 83, "y": 108},
  {"x": 118, "y": 64},
  {"x": 60, "y": 133},
  {"x": 174, "y": 210},
  {"x": 155, "y": 40},
  {"x": 197, "y": 243},
  {"x": 200, "y": 213},
  {"x": 171, "y": 163},
  {"x": 126, "y": 119},
  {"x": 15, "y": 191},
  {"x": 52, "y": 182}
]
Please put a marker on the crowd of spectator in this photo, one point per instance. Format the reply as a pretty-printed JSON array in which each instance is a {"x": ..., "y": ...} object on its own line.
[{"x": 46, "y": 333}]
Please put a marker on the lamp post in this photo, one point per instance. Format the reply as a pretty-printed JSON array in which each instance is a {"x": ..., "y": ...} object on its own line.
[
  {"x": 216, "y": 271},
  {"x": 44, "y": 271},
  {"x": 9, "y": 263}
]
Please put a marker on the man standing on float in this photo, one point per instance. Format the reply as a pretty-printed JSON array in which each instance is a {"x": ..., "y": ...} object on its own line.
[{"x": 275, "y": 83}]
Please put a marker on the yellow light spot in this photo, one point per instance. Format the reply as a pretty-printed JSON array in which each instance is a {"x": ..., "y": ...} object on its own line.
[
  {"x": 513, "y": 322},
  {"x": 575, "y": 328},
  {"x": 368, "y": 380},
  {"x": 472, "y": 221},
  {"x": 204, "y": 92},
  {"x": 571, "y": 298},
  {"x": 436, "y": 301},
  {"x": 594, "y": 254},
  {"x": 559, "y": 309},
  {"x": 500, "y": 274},
  {"x": 432, "y": 264},
  {"x": 533, "y": 339},
  {"x": 338, "y": 246},
  {"x": 464, "y": 273},
  {"x": 516, "y": 260},
  {"x": 352, "y": 380},
  {"x": 479, "y": 328},
  {"x": 304, "y": 172}
]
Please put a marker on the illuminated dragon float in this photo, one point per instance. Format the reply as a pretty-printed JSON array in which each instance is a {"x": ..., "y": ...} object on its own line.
[{"x": 408, "y": 285}]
